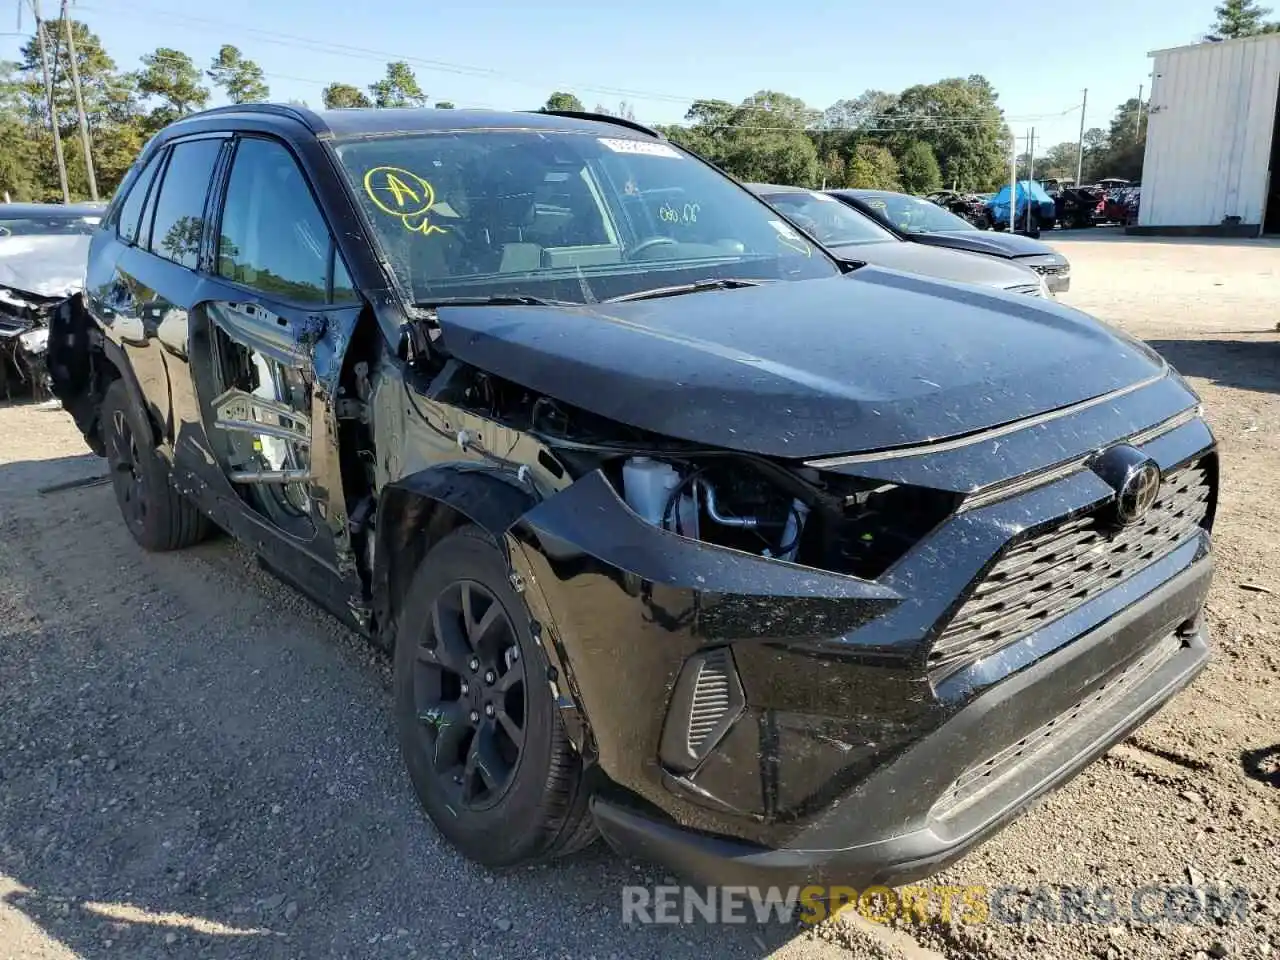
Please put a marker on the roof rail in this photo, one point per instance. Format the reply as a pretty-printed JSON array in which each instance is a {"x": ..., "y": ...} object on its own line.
[
  {"x": 603, "y": 118},
  {"x": 305, "y": 117}
]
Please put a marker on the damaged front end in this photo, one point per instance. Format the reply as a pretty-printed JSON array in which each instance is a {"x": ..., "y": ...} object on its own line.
[
  {"x": 24, "y": 343},
  {"x": 758, "y": 657}
]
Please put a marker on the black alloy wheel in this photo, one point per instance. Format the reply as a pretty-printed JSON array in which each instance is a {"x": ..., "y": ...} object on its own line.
[
  {"x": 127, "y": 475},
  {"x": 477, "y": 718},
  {"x": 157, "y": 515},
  {"x": 469, "y": 691}
]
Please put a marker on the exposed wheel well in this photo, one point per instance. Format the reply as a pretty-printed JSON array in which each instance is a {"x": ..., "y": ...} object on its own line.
[
  {"x": 417, "y": 513},
  {"x": 408, "y": 525}
]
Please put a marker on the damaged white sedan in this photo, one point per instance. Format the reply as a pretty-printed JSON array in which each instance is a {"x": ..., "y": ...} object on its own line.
[{"x": 43, "y": 247}]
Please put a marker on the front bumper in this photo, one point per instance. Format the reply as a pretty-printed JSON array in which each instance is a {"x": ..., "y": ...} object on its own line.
[
  {"x": 1142, "y": 653},
  {"x": 841, "y": 757}
]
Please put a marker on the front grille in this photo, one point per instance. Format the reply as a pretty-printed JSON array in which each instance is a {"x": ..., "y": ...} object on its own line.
[
  {"x": 712, "y": 698},
  {"x": 983, "y": 777},
  {"x": 1030, "y": 289},
  {"x": 1048, "y": 576}
]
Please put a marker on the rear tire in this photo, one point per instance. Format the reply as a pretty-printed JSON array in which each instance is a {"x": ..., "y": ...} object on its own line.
[
  {"x": 479, "y": 730},
  {"x": 157, "y": 515}
]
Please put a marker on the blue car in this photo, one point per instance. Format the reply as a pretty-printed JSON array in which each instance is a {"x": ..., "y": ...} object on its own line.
[{"x": 1043, "y": 209}]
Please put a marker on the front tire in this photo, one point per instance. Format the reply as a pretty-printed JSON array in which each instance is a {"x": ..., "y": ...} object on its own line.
[
  {"x": 157, "y": 515},
  {"x": 479, "y": 731}
]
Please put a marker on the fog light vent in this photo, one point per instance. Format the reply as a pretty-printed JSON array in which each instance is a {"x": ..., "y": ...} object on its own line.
[
  {"x": 711, "y": 699},
  {"x": 707, "y": 699}
]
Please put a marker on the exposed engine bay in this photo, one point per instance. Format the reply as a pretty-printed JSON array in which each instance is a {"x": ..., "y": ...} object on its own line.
[
  {"x": 801, "y": 516},
  {"x": 42, "y": 262},
  {"x": 743, "y": 502},
  {"x": 24, "y": 343}
]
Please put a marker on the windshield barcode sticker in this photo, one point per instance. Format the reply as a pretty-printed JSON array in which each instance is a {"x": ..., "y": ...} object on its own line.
[{"x": 644, "y": 147}]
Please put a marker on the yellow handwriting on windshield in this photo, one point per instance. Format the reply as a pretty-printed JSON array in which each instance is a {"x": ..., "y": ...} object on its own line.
[
  {"x": 669, "y": 214},
  {"x": 402, "y": 194}
]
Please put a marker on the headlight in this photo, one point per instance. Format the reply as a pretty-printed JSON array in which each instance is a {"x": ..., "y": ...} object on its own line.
[
  {"x": 1047, "y": 263},
  {"x": 35, "y": 341}
]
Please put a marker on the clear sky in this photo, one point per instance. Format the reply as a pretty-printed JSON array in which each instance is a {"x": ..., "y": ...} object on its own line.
[{"x": 660, "y": 54}]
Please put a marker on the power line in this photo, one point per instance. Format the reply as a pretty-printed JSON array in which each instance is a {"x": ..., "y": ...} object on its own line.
[
  {"x": 339, "y": 49},
  {"x": 898, "y": 121}
]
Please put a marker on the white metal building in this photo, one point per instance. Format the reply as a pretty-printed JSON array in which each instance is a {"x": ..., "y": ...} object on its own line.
[{"x": 1212, "y": 162}]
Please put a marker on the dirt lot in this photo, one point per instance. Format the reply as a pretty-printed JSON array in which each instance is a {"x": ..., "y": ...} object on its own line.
[{"x": 195, "y": 763}]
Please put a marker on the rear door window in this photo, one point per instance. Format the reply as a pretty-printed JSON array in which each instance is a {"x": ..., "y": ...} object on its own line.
[
  {"x": 131, "y": 209},
  {"x": 179, "y": 208}
]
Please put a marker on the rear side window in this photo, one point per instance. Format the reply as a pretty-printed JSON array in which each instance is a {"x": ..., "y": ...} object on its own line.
[
  {"x": 273, "y": 237},
  {"x": 179, "y": 214},
  {"x": 132, "y": 206}
]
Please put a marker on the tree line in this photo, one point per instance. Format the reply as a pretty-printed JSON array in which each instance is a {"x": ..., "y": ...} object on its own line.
[{"x": 952, "y": 133}]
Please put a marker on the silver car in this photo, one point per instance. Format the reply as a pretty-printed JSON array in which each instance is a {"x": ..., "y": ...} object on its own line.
[{"x": 852, "y": 234}]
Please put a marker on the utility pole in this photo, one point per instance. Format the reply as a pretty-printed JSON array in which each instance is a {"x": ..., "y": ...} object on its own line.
[
  {"x": 1137, "y": 123},
  {"x": 1031, "y": 172},
  {"x": 1013, "y": 177},
  {"x": 1084, "y": 105},
  {"x": 48, "y": 92},
  {"x": 84, "y": 121}
]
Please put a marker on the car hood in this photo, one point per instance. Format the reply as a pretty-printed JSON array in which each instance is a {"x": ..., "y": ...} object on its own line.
[
  {"x": 989, "y": 242},
  {"x": 865, "y": 361},
  {"x": 44, "y": 266},
  {"x": 937, "y": 262}
]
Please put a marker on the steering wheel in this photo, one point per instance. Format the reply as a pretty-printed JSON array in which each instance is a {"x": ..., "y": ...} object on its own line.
[{"x": 650, "y": 242}]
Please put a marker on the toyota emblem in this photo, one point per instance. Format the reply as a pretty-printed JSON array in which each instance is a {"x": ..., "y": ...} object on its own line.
[{"x": 1134, "y": 476}]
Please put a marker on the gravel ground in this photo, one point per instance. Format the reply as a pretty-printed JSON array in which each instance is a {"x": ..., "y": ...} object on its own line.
[{"x": 196, "y": 763}]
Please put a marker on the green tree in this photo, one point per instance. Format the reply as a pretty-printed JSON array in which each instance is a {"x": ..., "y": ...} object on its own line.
[
  {"x": 920, "y": 173},
  {"x": 834, "y": 173},
  {"x": 399, "y": 88},
  {"x": 171, "y": 77},
  {"x": 1095, "y": 154},
  {"x": 111, "y": 105},
  {"x": 874, "y": 168},
  {"x": 861, "y": 113},
  {"x": 769, "y": 141},
  {"x": 337, "y": 96},
  {"x": 960, "y": 120},
  {"x": 560, "y": 100},
  {"x": 1127, "y": 140},
  {"x": 242, "y": 79},
  {"x": 1059, "y": 161},
  {"x": 17, "y": 153},
  {"x": 1240, "y": 18},
  {"x": 846, "y": 123},
  {"x": 1118, "y": 151},
  {"x": 764, "y": 138},
  {"x": 444, "y": 105},
  {"x": 182, "y": 240},
  {"x": 1128, "y": 124},
  {"x": 705, "y": 129}
]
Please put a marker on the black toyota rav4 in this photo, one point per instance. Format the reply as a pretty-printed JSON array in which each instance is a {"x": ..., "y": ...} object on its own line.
[{"x": 761, "y": 563}]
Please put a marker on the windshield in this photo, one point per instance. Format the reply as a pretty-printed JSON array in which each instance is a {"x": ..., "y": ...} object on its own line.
[
  {"x": 829, "y": 220},
  {"x": 913, "y": 215},
  {"x": 47, "y": 226},
  {"x": 563, "y": 216}
]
